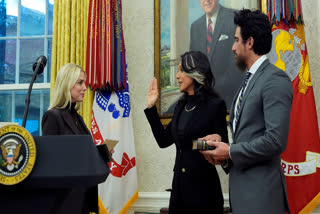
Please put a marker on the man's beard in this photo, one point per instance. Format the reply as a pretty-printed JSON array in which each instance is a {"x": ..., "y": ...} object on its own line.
[{"x": 241, "y": 64}]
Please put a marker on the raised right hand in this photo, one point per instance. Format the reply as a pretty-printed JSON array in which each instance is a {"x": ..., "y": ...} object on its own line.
[{"x": 153, "y": 93}]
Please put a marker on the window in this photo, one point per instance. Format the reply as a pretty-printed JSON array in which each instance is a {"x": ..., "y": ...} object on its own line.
[{"x": 25, "y": 34}]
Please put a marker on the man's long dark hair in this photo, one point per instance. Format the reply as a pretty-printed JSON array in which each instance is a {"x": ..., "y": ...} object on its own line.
[
  {"x": 256, "y": 25},
  {"x": 196, "y": 65}
]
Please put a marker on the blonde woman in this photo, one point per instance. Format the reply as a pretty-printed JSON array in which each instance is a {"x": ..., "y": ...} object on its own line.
[{"x": 62, "y": 119}]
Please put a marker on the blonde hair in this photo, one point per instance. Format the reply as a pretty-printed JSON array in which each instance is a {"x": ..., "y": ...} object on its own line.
[{"x": 66, "y": 79}]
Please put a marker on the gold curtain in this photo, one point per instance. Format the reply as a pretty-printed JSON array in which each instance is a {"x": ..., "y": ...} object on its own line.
[
  {"x": 69, "y": 44},
  {"x": 263, "y": 6},
  {"x": 70, "y": 23}
]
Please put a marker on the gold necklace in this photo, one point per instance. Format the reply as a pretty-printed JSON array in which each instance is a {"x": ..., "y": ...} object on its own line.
[{"x": 188, "y": 110}]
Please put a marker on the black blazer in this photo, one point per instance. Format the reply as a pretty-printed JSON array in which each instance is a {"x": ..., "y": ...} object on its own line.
[
  {"x": 196, "y": 185},
  {"x": 60, "y": 122}
]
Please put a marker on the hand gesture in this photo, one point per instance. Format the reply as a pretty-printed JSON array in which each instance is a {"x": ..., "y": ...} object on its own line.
[
  {"x": 211, "y": 137},
  {"x": 220, "y": 153},
  {"x": 153, "y": 93}
]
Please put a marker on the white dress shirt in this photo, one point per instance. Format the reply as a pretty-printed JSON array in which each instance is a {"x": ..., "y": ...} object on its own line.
[
  {"x": 213, "y": 19},
  {"x": 252, "y": 70}
]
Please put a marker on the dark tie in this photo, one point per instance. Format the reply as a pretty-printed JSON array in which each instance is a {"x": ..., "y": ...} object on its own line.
[
  {"x": 209, "y": 35},
  {"x": 243, "y": 87}
]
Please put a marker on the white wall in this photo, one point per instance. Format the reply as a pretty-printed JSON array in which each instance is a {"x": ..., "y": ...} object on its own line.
[
  {"x": 311, "y": 16},
  {"x": 154, "y": 165}
]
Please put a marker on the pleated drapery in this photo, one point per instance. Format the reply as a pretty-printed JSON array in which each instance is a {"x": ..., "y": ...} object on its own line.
[{"x": 70, "y": 23}]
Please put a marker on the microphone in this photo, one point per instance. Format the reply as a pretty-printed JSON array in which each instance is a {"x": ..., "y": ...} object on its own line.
[
  {"x": 39, "y": 64},
  {"x": 37, "y": 68}
]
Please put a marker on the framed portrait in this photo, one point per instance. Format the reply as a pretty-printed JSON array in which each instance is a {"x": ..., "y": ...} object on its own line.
[{"x": 177, "y": 29}]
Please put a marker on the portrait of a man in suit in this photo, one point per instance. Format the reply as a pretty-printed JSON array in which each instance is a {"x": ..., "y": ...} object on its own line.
[
  {"x": 213, "y": 34},
  {"x": 185, "y": 27}
]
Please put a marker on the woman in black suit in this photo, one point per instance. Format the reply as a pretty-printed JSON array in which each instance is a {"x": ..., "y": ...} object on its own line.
[
  {"x": 196, "y": 186},
  {"x": 62, "y": 119}
]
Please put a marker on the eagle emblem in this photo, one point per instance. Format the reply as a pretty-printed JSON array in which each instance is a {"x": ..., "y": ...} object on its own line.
[
  {"x": 11, "y": 153},
  {"x": 17, "y": 155}
]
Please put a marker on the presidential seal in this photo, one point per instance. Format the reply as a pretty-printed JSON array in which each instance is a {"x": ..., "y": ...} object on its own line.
[{"x": 17, "y": 155}]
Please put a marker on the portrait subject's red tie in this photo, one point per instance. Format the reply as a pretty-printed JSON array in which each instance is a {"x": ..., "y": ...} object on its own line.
[{"x": 209, "y": 35}]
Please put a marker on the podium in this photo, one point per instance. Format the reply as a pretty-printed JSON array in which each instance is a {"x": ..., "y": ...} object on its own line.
[{"x": 66, "y": 167}]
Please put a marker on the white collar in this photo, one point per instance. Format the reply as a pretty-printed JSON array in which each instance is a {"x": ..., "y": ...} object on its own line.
[
  {"x": 257, "y": 64},
  {"x": 213, "y": 17}
]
